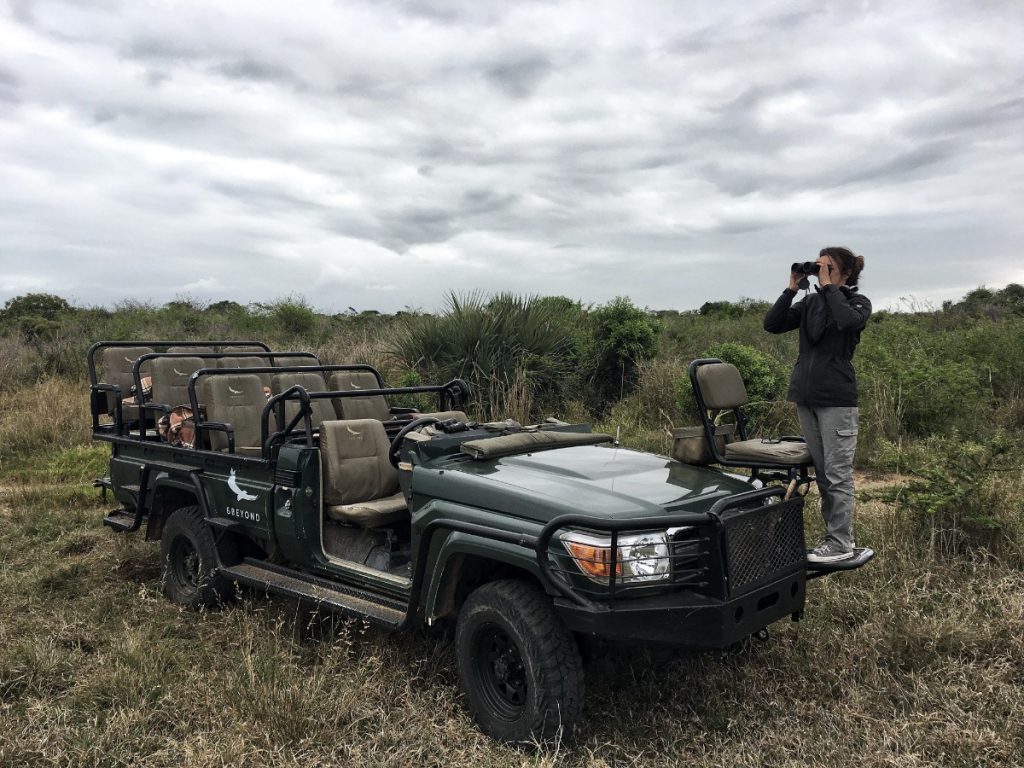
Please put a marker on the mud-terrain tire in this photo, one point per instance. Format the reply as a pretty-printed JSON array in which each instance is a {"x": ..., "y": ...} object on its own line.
[
  {"x": 518, "y": 664},
  {"x": 189, "y": 556}
]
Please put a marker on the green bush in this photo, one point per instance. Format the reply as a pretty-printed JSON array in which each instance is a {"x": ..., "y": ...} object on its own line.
[
  {"x": 514, "y": 351},
  {"x": 624, "y": 336}
]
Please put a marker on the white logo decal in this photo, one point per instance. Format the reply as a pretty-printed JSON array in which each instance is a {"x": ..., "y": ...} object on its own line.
[
  {"x": 233, "y": 485},
  {"x": 129, "y": 360},
  {"x": 353, "y": 385},
  {"x": 352, "y": 431},
  {"x": 179, "y": 373},
  {"x": 234, "y": 391}
]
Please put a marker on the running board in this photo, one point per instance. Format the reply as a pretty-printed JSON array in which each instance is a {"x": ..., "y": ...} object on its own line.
[
  {"x": 861, "y": 556},
  {"x": 323, "y": 593},
  {"x": 120, "y": 520}
]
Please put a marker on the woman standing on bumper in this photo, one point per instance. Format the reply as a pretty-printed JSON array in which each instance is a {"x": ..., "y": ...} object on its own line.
[{"x": 824, "y": 386}]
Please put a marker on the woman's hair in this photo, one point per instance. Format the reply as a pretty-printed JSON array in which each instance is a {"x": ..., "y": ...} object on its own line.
[{"x": 850, "y": 263}]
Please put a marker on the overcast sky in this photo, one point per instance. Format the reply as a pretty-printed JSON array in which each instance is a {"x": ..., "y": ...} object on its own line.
[{"x": 378, "y": 154}]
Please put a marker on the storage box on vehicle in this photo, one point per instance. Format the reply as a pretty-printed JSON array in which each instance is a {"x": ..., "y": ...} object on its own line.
[{"x": 690, "y": 446}]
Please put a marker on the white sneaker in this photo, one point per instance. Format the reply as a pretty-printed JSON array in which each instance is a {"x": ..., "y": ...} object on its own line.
[{"x": 828, "y": 552}]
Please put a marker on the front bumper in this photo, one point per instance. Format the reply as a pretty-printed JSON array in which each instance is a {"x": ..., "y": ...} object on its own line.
[{"x": 688, "y": 619}]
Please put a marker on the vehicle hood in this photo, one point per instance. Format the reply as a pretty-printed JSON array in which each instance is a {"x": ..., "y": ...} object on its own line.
[{"x": 593, "y": 480}]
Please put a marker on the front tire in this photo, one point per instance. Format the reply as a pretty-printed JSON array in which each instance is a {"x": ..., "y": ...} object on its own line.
[
  {"x": 189, "y": 555},
  {"x": 518, "y": 664}
]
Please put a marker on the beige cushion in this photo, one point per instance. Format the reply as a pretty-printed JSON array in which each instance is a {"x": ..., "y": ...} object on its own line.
[
  {"x": 372, "y": 407},
  {"x": 722, "y": 386},
  {"x": 525, "y": 442},
  {"x": 372, "y": 513},
  {"x": 238, "y": 400},
  {"x": 170, "y": 378},
  {"x": 788, "y": 452},
  {"x": 354, "y": 459},
  {"x": 320, "y": 410}
]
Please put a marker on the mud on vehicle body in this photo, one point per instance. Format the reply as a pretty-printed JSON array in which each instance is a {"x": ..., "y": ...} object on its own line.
[{"x": 310, "y": 481}]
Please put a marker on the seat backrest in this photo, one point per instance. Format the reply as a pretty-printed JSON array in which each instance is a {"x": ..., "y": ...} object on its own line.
[
  {"x": 721, "y": 386},
  {"x": 116, "y": 368},
  {"x": 236, "y": 399},
  {"x": 321, "y": 410},
  {"x": 116, "y": 365},
  {"x": 248, "y": 362},
  {"x": 194, "y": 350},
  {"x": 371, "y": 407},
  {"x": 170, "y": 378},
  {"x": 244, "y": 348},
  {"x": 354, "y": 457}
]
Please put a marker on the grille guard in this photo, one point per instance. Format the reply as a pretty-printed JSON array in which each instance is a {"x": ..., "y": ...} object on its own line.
[{"x": 727, "y": 520}]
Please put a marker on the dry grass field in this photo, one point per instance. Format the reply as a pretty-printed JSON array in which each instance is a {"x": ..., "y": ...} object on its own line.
[{"x": 913, "y": 661}]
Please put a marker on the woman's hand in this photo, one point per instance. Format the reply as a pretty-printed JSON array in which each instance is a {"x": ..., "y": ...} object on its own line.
[
  {"x": 794, "y": 281},
  {"x": 829, "y": 273}
]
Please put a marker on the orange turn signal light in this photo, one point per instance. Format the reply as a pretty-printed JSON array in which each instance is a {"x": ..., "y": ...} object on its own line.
[{"x": 592, "y": 560}]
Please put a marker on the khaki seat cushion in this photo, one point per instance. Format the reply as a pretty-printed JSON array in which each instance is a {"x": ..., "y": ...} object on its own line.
[
  {"x": 236, "y": 399},
  {"x": 170, "y": 378},
  {"x": 721, "y": 386},
  {"x": 356, "y": 471},
  {"x": 372, "y": 407},
  {"x": 116, "y": 368},
  {"x": 788, "y": 452},
  {"x": 372, "y": 513},
  {"x": 320, "y": 410}
]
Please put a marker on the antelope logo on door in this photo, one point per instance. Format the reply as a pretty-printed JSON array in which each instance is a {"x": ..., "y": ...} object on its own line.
[{"x": 241, "y": 494}]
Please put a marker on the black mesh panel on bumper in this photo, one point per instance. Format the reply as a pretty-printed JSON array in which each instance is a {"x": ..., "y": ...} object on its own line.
[{"x": 763, "y": 543}]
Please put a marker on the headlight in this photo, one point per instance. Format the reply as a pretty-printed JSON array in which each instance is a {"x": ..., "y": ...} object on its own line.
[{"x": 641, "y": 557}]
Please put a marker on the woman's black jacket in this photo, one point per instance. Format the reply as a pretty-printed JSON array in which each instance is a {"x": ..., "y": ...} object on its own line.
[{"x": 830, "y": 321}]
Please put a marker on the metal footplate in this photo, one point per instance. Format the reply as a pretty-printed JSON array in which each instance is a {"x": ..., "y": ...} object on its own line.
[
  {"x": 861, "y": 556},
  {"x": 321, "y": 592}
]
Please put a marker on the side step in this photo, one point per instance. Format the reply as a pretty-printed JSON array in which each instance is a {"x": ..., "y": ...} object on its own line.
[
  {"x": 120, "y": 520},
  {"x": 861, "y": 556},
  {"x": 303, "y": 586}
]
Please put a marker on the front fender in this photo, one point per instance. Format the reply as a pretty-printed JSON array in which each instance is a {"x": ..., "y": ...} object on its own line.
[{"x": 459, "y": 545}]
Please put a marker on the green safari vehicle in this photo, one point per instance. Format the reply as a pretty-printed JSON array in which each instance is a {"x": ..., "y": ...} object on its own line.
[{"x": 273, "y": 471}]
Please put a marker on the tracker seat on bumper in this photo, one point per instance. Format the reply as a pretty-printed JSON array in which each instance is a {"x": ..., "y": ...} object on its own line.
[
  {"x": 719, "y": 387},
  {"x": 360, "y": 485}
]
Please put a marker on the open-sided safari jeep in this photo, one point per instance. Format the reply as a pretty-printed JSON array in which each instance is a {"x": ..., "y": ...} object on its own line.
[{"x": 310, "y": 481}]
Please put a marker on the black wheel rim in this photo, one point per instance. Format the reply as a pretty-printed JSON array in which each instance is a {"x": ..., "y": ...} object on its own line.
[
  {"x": 185, "y": 565},
  {"x": 499, "y": 672}
]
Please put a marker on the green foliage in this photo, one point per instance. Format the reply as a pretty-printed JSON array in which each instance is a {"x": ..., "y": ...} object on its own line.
[
  {"x": 914, "y": 383},
  {"x": 733, "y": 308},
  {"x": 984, "y": 301},
  {"x": 35, "y": 315},
  {"x": 959, "y": 494},
  {"x": 624, "y": 336},
  {"x": 295, "y": 316},
  {"x": 514, "y": 351}
]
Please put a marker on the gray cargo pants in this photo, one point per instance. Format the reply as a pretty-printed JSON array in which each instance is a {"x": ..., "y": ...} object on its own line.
[{"x": 831, "y": 435}]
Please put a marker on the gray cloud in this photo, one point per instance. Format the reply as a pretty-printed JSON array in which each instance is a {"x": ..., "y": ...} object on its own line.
[{"x": 373, "y": 154}]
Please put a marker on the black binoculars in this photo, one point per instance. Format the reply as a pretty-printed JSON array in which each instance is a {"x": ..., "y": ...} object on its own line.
[{"x": 806, "y": 268}]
